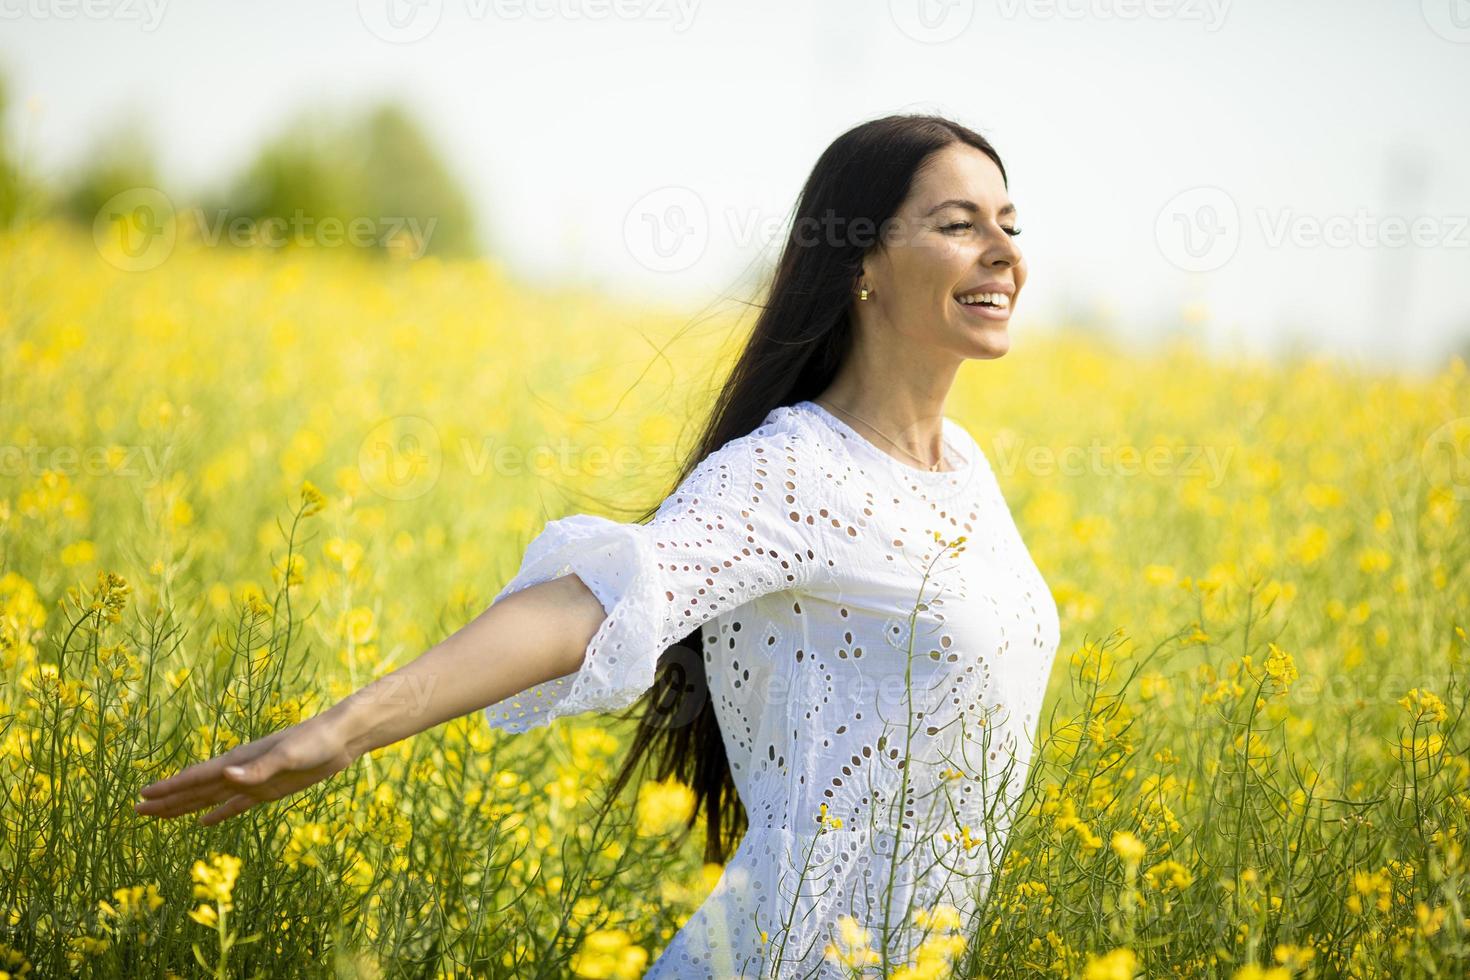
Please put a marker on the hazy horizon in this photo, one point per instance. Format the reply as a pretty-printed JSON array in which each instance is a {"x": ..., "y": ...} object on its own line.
[{"x": 1244, "y": 168}]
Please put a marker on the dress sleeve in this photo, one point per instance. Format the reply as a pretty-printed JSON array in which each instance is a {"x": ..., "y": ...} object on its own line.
[{"x": 736, "y": 528}]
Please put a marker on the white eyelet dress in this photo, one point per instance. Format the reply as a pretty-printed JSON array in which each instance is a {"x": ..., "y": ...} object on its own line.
[{"x": 840, "y": 675}]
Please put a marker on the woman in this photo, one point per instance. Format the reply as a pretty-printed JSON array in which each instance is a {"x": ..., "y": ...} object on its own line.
[{"x": 874, "y": 639}]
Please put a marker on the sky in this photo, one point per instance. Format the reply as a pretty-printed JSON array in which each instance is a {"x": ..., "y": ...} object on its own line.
[{"x": 1265, "y": 175}]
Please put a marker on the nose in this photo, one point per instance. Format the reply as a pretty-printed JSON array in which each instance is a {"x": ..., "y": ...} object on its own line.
[{"x": 1001, "y": 252}]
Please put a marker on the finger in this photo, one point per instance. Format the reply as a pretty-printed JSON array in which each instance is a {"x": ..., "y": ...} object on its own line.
[
  {"x": 182, "y": 780},
  {"x": 200, "y": 772},
  {"x": 172, "y": 806},
  {"x": 252, "y": 779},
  {"x": 184, "y": 802},
  {"x": 210, "y": 769},
  {"x": 218, "y": 792},
  {"x": 256, "y": 771},
  {"x": 233, "y": 806},
  {"x": 252, "y": 782}
]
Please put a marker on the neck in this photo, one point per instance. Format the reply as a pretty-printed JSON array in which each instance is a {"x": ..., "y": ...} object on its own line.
[
  {"x": 897, "y": 385},
  {"x": 913, "y": 420}
]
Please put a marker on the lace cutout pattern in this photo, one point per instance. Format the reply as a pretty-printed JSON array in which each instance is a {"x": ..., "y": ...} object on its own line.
[{"x": 854, "y": 662}]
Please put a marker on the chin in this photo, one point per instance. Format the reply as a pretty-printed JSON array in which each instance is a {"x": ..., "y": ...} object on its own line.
[{"x": 989, "y": 345}]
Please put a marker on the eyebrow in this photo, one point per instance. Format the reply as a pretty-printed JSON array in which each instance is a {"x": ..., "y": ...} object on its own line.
[{"x": 956, "y": 202}]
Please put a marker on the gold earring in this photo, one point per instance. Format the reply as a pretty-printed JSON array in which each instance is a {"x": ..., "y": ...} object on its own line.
[{"x": 863, "y": 293}]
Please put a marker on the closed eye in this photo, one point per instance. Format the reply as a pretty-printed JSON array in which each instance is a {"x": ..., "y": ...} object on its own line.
[{"x": 1013, "y": 232}]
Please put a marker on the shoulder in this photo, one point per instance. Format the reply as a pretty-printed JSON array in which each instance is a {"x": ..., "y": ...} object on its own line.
[
  {"x": 964, "y": 440},
  {"x": 961, "y": 437},
  {"x": 777, "y": 464}
]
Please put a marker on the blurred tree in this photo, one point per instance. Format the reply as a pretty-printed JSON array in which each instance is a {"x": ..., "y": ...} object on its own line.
[
  {"x": 119, "y": 160},
  {"x": 377, "y": 168},
  {"x": 12, "y": 194}
]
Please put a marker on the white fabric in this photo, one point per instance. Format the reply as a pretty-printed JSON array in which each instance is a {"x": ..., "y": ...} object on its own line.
[{"x": 803, "y": 549}]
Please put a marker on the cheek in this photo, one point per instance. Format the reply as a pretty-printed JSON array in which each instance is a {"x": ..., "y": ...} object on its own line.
[{"x": 925, "y": 280}]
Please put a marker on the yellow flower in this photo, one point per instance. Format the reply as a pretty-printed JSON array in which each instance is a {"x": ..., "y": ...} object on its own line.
[
  {"x": 1160, "y": 575},
  {"x": 110, "y": 597},
  {"x": 358, "y": 625},
  {"x": 134, "y": 902},
  {"x": 1120, "y": 964},
  {"x": 1280, "y": 667},
  {"x": 1067, "y": 819},
  {"x": 826, "y": 822},
  {"x": 663, "y": 807},
  {"x": 1253, "y": 972},
  {"x": 205, "y": 915},
  {"x": 1423, "y": 704},
  {"x": 215, "y": 880},
  {"x": 344, "y": 552},
  {"x": 304, "y": 844},
  {"x": 611, "y": 954},
  {"x": 858, "y": 951},
  {"x": 79, "y": 553},
  {"x": 1152, "y": 685},
  {"x": 1374, "y": 560},
  {"x": 312, "y": 499},
  {"x": 1168, "y": 875},
  {"x": 1128, "y": 847},
  {"x": 1293, "y": 957},
  {"x": 292, "y": 569},
  {"x": 944, "y": 917}
]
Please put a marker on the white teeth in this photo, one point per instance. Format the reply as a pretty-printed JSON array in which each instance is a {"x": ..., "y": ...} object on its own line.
[{"x": 1000, "y": 300}]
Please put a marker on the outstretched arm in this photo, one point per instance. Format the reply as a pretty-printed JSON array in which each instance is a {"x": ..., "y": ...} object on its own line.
[{"x": 530, "y": 636}]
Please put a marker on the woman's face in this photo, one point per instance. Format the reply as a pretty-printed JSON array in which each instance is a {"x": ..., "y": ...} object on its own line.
[{"x": 952, "y": 238}]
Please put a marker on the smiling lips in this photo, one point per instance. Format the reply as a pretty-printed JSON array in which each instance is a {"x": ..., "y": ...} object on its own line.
[
  {"x": 997, "y": 300},
  {"x": 991, "y": 301}
]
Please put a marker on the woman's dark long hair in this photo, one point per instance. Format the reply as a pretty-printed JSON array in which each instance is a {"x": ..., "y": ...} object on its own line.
[{"x": 800, "y": 338}]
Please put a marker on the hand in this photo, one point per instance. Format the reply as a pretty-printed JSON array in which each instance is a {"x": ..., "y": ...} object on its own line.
[{"x": 269, "y": 768}]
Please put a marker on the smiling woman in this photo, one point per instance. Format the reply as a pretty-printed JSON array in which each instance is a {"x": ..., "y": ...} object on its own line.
[
  {"x": 849, "y": 687},
  {"x": 951, "y": 275}
]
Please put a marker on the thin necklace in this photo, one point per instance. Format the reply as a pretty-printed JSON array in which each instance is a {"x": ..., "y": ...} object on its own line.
[{"x": 932, "y": 467}]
